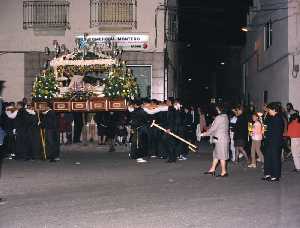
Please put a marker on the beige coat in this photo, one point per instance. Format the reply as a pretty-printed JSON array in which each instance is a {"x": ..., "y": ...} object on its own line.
[{"x": 220, "y": 130}]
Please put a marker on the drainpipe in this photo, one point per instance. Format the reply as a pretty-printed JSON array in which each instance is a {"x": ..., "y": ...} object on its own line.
[
  {"x": 162, "y": 7},
  {"x": 166, "y": 56}
]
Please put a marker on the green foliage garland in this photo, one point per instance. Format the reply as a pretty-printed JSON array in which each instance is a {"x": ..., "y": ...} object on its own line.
[
  {"x": 78, "y": 95},
  {"x": 71, "y": 70},
  {"x": 121, "y": 83},
  {"x": 45, "y": 86}
]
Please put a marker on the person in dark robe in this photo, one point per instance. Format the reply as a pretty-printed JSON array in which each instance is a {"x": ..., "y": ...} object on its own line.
[
  {"x": 21, "y": 136},
  {"x": 273, "y": 143},
  {"x": 9, "y": 122},
  {"x": 153, "y": 134},
  {"x": 33, "y": 134},
  {"x": 78, "y": 124},
  {"x": 112, "y": 118},
  {"x": 174, "y": 124},
  {"x": 138, "y": 119},
  {"x": 50, "y": 124},
  {"x": 162, "y": 120},
  {"x": 188, "y": 131}
]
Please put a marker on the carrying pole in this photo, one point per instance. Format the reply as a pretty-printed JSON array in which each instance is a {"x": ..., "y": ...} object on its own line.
[
  {"x": 42, "y": 138},
  {"x": 192, "y": 147}
]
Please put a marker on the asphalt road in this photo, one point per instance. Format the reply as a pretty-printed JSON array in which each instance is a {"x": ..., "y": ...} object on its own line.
[{"x": 91, "y": 188}]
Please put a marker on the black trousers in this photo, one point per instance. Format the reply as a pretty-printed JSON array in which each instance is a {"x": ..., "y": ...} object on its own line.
[
  {"x": 139, "y": 143},
  {"x": 21, "y": 139},
  {"x": 172, "y": 148},
  {"x": 272, "y": 165},
  {"x": 162, "y": 144},
  {"x": 33, "y": 144},
  {"x": 52, "y": 143},
  {"x": 153, "y": 141},
  {"x": 9, "y": 146}
]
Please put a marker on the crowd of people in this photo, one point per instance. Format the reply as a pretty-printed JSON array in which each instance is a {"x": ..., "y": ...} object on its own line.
[
  {"x": 24, "y": 132},
  {"x": 237, "y": 133},
  {"x": 267, "y": 137}
]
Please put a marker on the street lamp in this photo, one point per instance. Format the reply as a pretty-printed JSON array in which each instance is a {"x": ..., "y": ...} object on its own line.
[{"x": 245, "y": 29}]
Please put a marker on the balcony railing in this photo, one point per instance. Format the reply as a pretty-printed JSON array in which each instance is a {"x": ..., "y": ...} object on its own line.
[
  {"x": 113, "y": 13},
  {"x": 46, "y": 14}
]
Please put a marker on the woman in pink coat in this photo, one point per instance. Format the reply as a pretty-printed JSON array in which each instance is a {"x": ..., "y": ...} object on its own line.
[{"x": 219, "y": 130}]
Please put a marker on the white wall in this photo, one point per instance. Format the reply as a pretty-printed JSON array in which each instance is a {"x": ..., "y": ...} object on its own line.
[
  {"x": 294, "y": 49},
  {"x": 267, "y": 69},
  {"x": 14, "y": 38},
  {"x": 12, "y": 71}
]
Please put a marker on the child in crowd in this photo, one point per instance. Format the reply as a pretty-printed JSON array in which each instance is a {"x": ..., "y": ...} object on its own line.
[{"x": 256, "y": 136}]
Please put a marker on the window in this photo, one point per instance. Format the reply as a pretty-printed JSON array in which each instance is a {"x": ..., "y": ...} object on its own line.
[
  {"x": 46, "y": 14},
  {"x": 268, "y": 35},
  {"x": 113, "y": 13},
  {"x": 172, "y": 27}
]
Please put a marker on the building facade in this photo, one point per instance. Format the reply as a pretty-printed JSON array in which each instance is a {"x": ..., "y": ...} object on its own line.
[
  {"x": 271, "y": 55},
  {"x": 145, "y": 30}
]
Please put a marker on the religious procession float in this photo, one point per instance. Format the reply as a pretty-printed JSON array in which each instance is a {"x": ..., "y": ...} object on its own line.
[{"x": 91, "y": 78}]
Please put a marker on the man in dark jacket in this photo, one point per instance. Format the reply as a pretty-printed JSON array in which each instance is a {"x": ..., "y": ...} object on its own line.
[
  {"x": 273, "y": 143},
  {"x": 50, "y": 124}
]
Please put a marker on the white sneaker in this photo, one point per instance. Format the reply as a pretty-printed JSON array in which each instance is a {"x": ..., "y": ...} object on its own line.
[
  {"x": 2, "y": 201},
  {"x": 184, "y": 158},
  {"x": 153, "y": 156},
  {"x": 251, "y": 166},
  {"x": 141, "y": 160},
  {"x": 241, "y": 155}
]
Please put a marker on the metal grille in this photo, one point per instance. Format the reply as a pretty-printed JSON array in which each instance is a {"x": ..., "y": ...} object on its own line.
[
  {"x": 172, "y": 30},
  {"x": 46, "y": 14},
  {"x": 113, "y": 13}
]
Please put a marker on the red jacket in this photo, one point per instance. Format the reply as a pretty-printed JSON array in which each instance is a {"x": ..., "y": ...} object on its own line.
[{"x": 294, "y": 129}]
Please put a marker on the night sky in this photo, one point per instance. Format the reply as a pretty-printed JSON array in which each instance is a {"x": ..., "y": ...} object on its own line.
[{"x": 207, "y": 29}]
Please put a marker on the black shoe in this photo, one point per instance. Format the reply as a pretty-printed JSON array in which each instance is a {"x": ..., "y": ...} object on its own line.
[
  {"x": 210, "y": 173},
  {"x": 52, "y": 160},
  {"x": 274, "y": 179},
  {"x": 224, "y": 175},
  {"x": 266, "y": 178}
]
